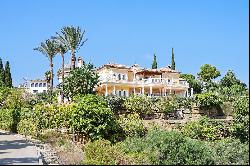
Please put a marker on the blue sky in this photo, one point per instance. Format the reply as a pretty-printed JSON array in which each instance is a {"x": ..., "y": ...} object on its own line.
[{"x": 128, "y": 31}]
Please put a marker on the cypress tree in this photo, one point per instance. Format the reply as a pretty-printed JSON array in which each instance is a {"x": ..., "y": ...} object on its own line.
[
  {"x": 2, "y": 79},
  {"x": 173, "y": 62},
  {"x": 154, "y": 64},
  {"x": 7, "y": 74}
]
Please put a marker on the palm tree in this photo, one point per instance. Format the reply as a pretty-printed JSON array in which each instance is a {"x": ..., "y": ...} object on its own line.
[
  {"x": 48, "y": 49},
  {"x": 47, "y": 76},
  {"x": 72, "y": 37},
  {"x": 62, "y": 49}
]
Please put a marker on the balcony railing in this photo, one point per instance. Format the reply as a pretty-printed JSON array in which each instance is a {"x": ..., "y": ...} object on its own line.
[{"x": 163, "y": 81}]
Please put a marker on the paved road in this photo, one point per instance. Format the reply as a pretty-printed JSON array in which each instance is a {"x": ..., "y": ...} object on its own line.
[{"x": 16, "y": 151}]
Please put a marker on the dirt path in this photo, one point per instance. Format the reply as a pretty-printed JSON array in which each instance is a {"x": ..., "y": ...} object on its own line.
[{"x": 16, "y": 150}]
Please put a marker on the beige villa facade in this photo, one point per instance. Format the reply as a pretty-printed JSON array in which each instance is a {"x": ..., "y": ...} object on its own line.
[{"x": 121, "y": 80}]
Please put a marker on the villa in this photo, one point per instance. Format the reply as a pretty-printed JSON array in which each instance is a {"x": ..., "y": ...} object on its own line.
[{"x": 123, "y": 80}]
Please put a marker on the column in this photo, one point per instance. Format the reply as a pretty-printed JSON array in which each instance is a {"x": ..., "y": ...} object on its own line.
[
  {"x": 150, "y": 91},
  {"x": 134, "y": 90},
  {"x": 106, "y": 90},
  {"x": 170, "y": 90},
  {"x": 192, "y": 92},
  {"x": 143, "y": 90},
  {"x": 114, "y": 90}
]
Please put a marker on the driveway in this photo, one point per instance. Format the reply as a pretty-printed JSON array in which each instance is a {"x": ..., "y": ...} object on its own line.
[{"x": 15, "y": 150}]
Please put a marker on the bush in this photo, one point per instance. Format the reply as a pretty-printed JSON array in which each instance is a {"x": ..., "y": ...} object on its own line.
[
  {"x": 132, "y": 125},
  {"x": 94, "y": 118},
  {"x": 208, "y": 100},
  {"x": 41, "y": 117},
  {"x": 139, "y": 104},
  {"x": 167, "y": 148},
  {"x": 6, "y": 120},
  {"x": 115, "y": 103},
  {"x": 101, "y": 152},
  {"x": 205, "y": 129},
  {"x": 166, "y": 104},
  {"x": 231, "y": 152},
  {"x": 240, "y": 126}
]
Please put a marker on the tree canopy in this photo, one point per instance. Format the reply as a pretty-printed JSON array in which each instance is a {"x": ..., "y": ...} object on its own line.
[
  {"x": 80, "y": 81},
  {"x": 208, "y": 73},
  {"x": 154, "y": 64}
]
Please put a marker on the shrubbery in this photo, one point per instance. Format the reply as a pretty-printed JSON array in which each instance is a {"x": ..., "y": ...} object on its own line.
[
  {"x": 138, "y": 104},
  {"x": 94, "y": 118},
  {"x": 158, "y": 147},
  {"x": 231, "y": 152},
  {"x": 240, "y": 126},
  {"x": 115, "y": 103},
  {"x": 205, "y": 129},
  {"x": 132, "y": 125},
  {"x": 208, "y": 100}
]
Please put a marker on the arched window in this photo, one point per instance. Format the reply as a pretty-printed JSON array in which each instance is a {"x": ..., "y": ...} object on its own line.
[
  {"x": 36, "y": 85},
  {"x": 32, "y": 84},
  {"x": 40, "y": 84},
  {"x": 44, "y": 84},
  {"x": 119, "y": 76}
]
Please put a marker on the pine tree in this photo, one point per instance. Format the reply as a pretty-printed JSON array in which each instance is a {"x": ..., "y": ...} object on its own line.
[
  {"x": 2, "y": 79},
  {"x": 7, "y": 74},
  {"x": 154, "y": 64},
  {"x": 173, "y": 62}
]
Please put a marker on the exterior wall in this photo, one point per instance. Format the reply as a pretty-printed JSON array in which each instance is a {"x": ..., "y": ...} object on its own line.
[
  {"x": 37, "y": 87},
  {"x": 159, "y": 84}
]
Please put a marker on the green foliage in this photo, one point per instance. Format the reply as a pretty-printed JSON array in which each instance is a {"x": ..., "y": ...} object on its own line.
[
  {"x": 7, "y": 75},
  {"x": 2, "y": 77},
  {"x": 230, "y": 79},
  {"x": 12, "y": 104},
  {"x": 208, "y": 73},
  {"x": 168, "y": 148},
  {"x": 193, "y": 83},
  {"x": 208, "y": 100},
  {"x": 240, "y": 126},
  {"x": 94, "y": 118},
  {"x": 166, "y": 104},
  {"x": 154, "y": 64},
  {"x": 205, "y": 129},
  {"x": 80, "y": 81},
  {"x": 132, "y": 125},
  {"x": 231, "y": 152},
  {"x": 101, "y": 152},
  {"x": 115, "y": 103},
  {"x": 43, "y": 117},
  {"x": 173, "y": 62},
  {"x": 140, "y": 104}
]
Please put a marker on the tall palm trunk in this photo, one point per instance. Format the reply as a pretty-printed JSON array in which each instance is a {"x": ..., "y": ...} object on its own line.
[
  {"x": 51, "y": 78},
  {"x": 62, "y": 78},
  {"x": 74, "y": 59}
]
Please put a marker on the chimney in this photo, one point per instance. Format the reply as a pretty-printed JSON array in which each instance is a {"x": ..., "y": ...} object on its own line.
[{"x": 80, "y": 62}]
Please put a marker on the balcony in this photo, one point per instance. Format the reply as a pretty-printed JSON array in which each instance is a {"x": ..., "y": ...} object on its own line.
[{"x": 148, "y": 81}]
